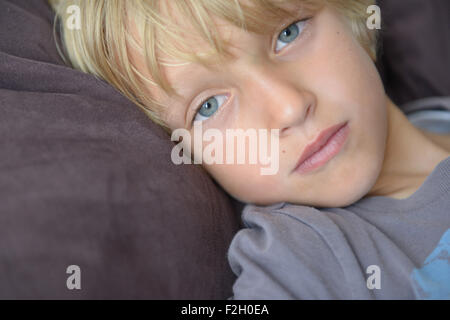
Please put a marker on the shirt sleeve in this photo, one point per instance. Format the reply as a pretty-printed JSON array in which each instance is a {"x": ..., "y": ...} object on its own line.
[{"x": 278, "y": 256}]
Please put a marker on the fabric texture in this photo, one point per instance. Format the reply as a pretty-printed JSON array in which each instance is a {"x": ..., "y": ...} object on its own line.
[
  {"x": 86, "y": 179},
  {"x": 376, "y": 248},
  {"x": 430, "y": 114}
]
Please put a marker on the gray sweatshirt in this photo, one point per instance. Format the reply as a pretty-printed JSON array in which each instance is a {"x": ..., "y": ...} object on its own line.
[{"x": 376, "y": 248}]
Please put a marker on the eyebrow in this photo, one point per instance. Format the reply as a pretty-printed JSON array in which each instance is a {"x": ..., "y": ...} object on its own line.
[
  {"x": 189, "y": 95},
  {"x": 193, "y": 69},
  {"x": 186, "y": 92}
]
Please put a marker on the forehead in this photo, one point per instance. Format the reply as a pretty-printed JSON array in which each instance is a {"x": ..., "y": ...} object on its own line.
[
  {"x": 194, "y": 27},
  {"x": 235, "y": 39}
]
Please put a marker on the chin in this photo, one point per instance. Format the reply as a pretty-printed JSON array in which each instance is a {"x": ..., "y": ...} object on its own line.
[
  {"x": 340, "y": 200},
  {"x": 370, "y": 177},
  {"x": 337, "y": 201},
  {"x": 355, "y": 187}
]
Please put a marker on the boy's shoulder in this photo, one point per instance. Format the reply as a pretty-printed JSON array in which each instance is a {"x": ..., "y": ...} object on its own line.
[{"x": 286, "y": 251}]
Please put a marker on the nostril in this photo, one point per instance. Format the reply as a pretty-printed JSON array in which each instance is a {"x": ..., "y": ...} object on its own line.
[
  {"x": 282, "y": 131},
  {"x": 308, "y": 111}
]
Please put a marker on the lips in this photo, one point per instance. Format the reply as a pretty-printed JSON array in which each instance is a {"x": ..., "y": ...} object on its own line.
[{"x": 318, "y": 143}]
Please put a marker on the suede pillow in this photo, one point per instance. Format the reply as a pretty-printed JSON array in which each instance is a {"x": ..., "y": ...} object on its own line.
[
  {"x": 86, "y": 179},
  {"x": 415, "y": 48}
]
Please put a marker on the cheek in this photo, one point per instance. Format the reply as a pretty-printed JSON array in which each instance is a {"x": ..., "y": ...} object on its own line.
[
  {"x": 337, "y": 68},
  {"x": 348, "y": 84},
  {"x": 245, "y": 183},
  {"x": 340, "y": 70}
]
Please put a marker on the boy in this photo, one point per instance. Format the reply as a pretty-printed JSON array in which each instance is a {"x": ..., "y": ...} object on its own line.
[{"x": 359, "y": 207}]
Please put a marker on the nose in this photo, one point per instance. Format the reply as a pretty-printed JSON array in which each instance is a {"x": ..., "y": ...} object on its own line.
[
  {"x": 282, "y": 101},
  {"x": 294, "y": 108}
]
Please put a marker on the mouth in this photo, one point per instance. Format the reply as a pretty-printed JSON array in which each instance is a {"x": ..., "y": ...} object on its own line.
[{"x": 325, "y": 147}]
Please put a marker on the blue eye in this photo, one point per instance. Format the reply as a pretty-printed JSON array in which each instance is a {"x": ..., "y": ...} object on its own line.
[
  {"x": 209, "y": 107},
  {"x": 291, "y": 33}
]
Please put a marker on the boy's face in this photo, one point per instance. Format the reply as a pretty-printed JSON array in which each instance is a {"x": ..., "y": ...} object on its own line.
[{"x": 320, "y": 78}]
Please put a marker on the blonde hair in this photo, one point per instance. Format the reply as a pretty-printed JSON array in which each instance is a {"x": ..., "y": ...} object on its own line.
[{"x": 102, "y": 45}]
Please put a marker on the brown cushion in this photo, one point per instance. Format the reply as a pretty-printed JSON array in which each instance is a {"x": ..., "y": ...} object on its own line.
[
  {"x": 415, "y": 60},
  {"x": 86, "y": 179}
]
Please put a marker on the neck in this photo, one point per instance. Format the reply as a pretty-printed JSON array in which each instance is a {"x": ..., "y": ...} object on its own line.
[{"x": 410, "y": 156}]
